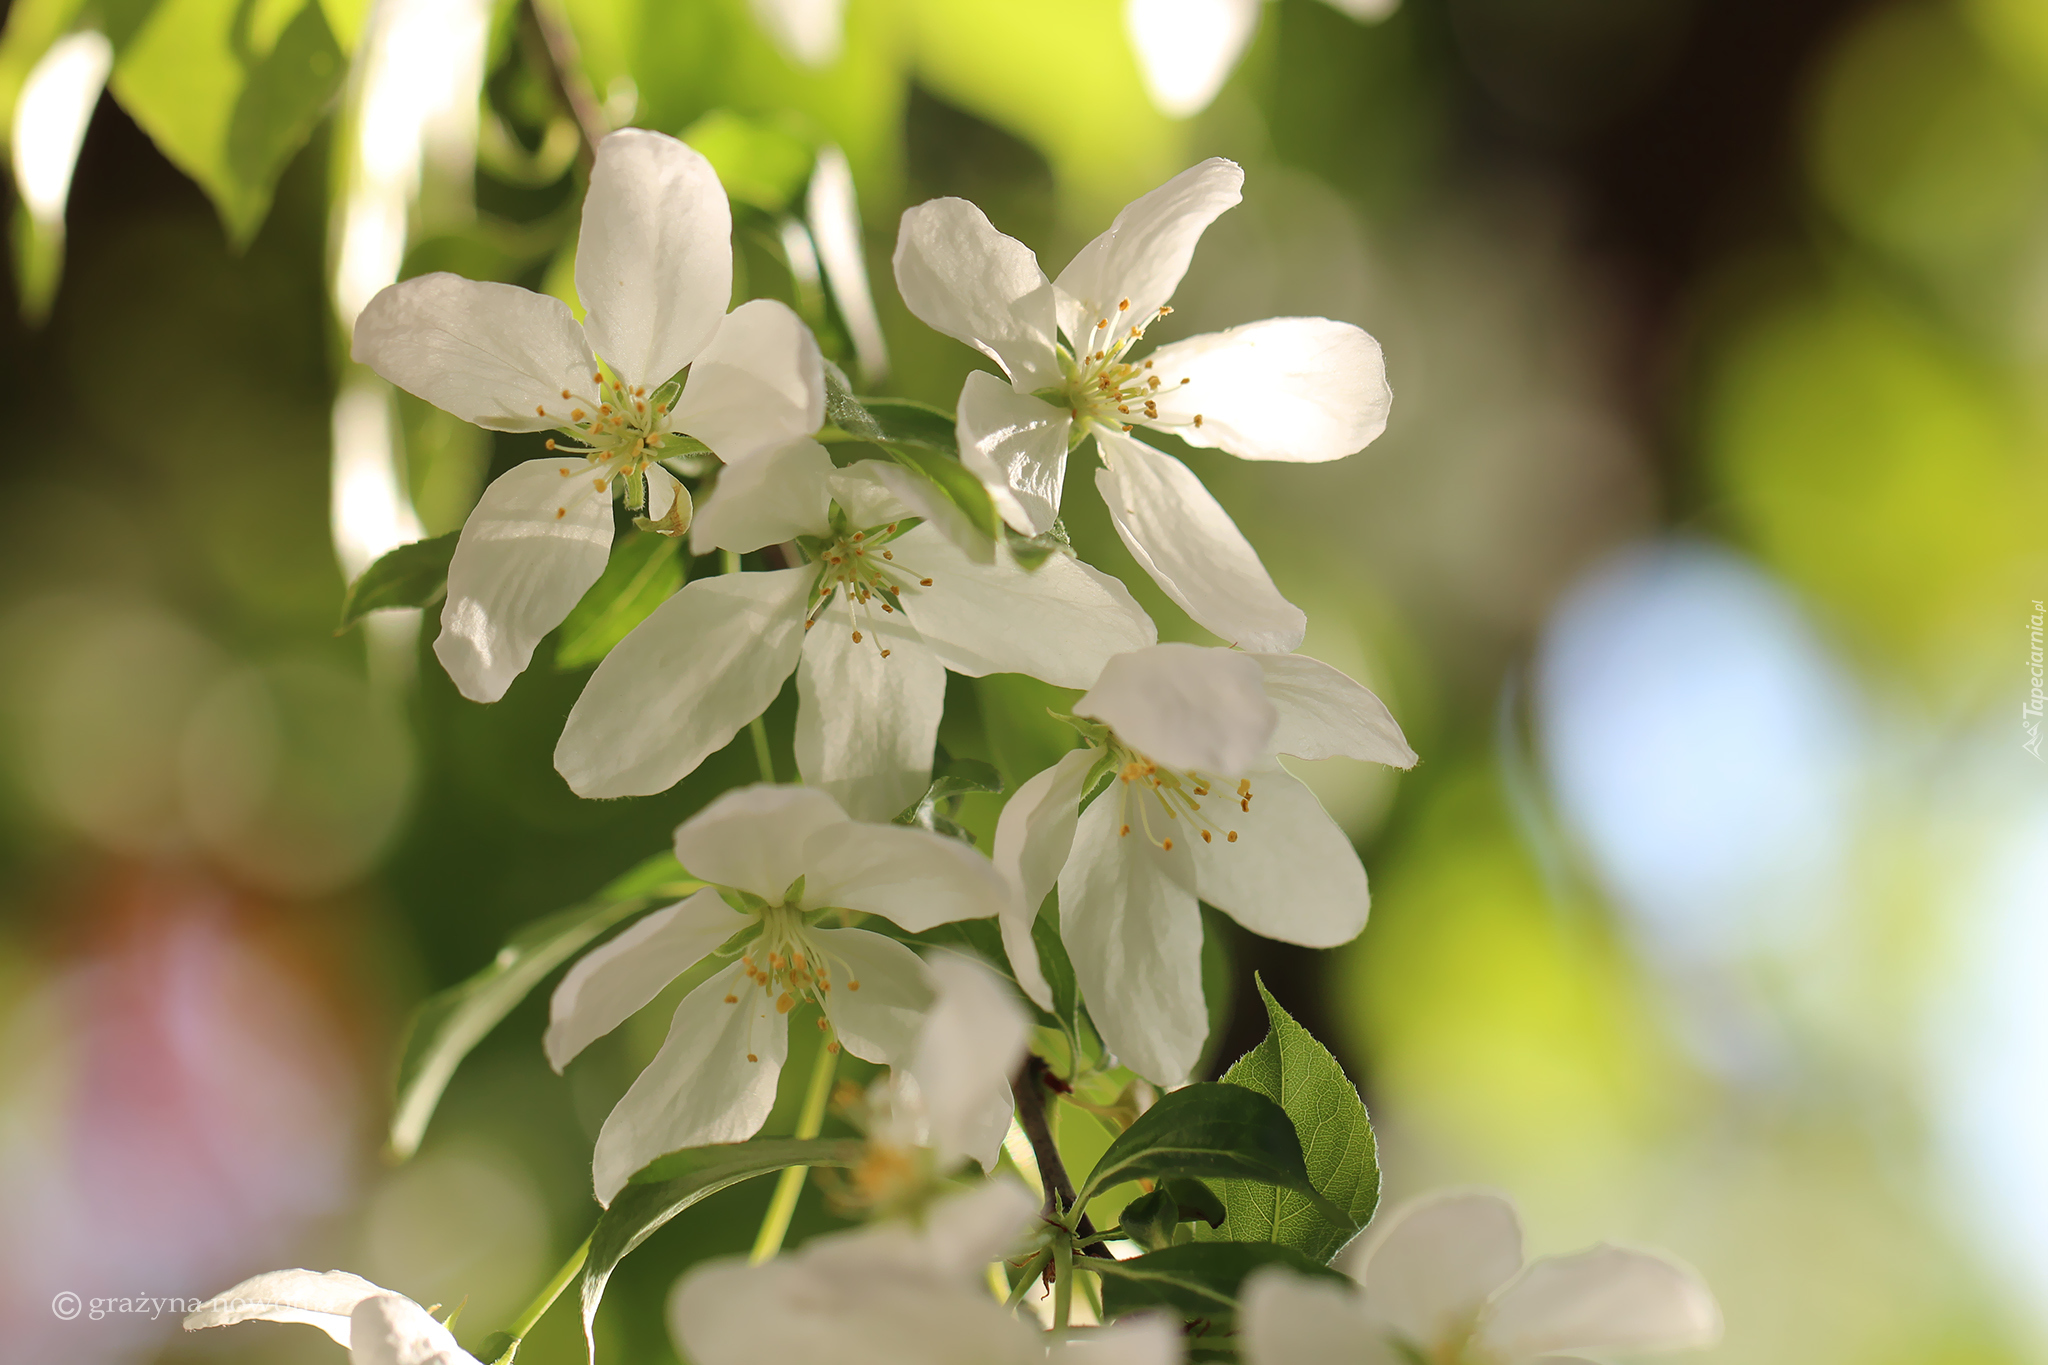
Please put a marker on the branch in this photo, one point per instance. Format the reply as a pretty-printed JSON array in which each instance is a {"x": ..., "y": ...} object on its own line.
[
  {"x": 552, "y": 47},
  {"x": 1029, "y": 1087}
]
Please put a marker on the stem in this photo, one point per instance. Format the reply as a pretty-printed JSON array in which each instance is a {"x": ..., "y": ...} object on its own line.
[
  {"x": 1032, "y": 1271},
  {"x": 1028, "y": 1086},
  {"x": 555, "y": 47},
  {"x": 757, "y": 728},
  {"x": 550, "y": 1291},
  {"x": 790, "y": 1184},
  {"x": 1062, "y": 1285}
]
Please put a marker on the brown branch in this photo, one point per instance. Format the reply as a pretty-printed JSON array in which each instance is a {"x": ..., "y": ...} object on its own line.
[
  {"x": 550, "y": 46},
  {"x": 1030, "y": 1086}
]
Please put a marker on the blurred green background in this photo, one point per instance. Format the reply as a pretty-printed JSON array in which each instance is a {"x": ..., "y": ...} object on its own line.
[{"x": 1699, "y": 562}]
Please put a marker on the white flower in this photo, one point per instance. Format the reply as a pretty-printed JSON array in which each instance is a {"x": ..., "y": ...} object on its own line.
[
  {"x": 1187, "y": 48},
  {"x": 378, "y": 1326},
  {"x": 953, "y": 1094},
  {"x": 654, "y": 267},
  {"x": 1444, "y": 1281},
  {"x": 788, "y": 854},
  {"x": 892, "y": 611},
  {"x": 810, "y": 31},
  {"x": 890, "y": 1294},
  {"x": 1198, "y": 807},
  {"x": 1290, "y": 389}
]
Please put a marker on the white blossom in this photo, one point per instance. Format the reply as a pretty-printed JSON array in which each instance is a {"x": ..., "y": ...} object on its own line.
[
  {"x": 377, "y": 1326},
  {"x": 1285, "y": 389},
  {"x": 1197, "y": 807},
  {"x": 870, "y": 627},
  {"x": 953, "y": 1093},
  {"x": 1186, "y": 49},
  {"x": 1443, "y": 1280},
  {"x": 654, "y": 268}
]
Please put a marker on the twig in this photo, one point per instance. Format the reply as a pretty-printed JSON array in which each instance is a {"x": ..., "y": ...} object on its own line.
[
  {"x": 550, "y": 44},
  {"x": 1029, "y": 1086}
]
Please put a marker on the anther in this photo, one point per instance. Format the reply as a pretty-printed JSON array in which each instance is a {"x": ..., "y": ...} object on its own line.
[
  {"x": 1232, "y": 836},
  {"x": 640, "y": 392},
  {"x": 597, "y": 378},
  {"x": 856, "y": 637},
  {"x": 822, "y": 1025},
  {"x": 551, "y": 446},
  {"x": 1124, "y": 307},
  {"x": 732, "y": 1000},
  {"x": 541, "y": 408},
  {"x": 1198, "y": 419},
  {"x": 1124, "y": 831},
  {"x": 784, "y": 1003},
  {"x": 1207, "y": 837},
  {"x": 1103, "y": 323},
  {"x": 561, "y": 512},
  {"x": 888, "y": 554},
  {"x": 832, "y": 1048},
  {"x": 576, "y": 414},
  {"x": 924, "y": 582},
  {"x": 853, "y": 985},
  {"x": 885, "y": 653},
  {"x": 565, "y": 393},
  {"x": 1166, "y": 845},
  {"x": 752, "y": 1058}
]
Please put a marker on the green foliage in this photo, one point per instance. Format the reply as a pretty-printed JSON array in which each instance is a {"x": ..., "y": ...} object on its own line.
[
  {"x": 760, "y": 163},
  {"x": 1291, "y": 1068},
  {"x": 1151, "y": 1219},
  {"x": 1199, "y": 1280},
  {"x": 917, "y": 436},
  {"x": 414, "y": 575},
  {"x": 645, "y": 570},
  {"x": 452, "y": 1022},
  {"x": 670, "y": 1184}
]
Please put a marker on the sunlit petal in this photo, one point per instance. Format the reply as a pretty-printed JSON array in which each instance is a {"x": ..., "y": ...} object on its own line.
[
  {"x": 753, "y": 837},
  {"x": 493, "y": 354},
  {"x": 1300, "y": 390},
  {"x": 1017, "y": 446},
  {"x": 962, "y": 277},
  {"x": 1123, "y": 276},
  {"x": 865, "y": 725},
  {"x": 1186, "y": 706},
  {"x": 1033, "y": 838},
  {"x": 612, "y": 981},
  {"x": 758, "y": 385}
]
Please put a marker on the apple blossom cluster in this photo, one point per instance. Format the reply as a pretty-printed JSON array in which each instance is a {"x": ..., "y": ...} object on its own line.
[{"x": 977, "y": 988}]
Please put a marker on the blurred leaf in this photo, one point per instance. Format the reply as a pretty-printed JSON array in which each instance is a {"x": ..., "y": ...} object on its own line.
[
  {"x": 413, "y": 575},
  {"x": 1197, "y": 1279},
  {"x": 958, "y": 486},
  {"x": 32, "y": 25},
  {"x": 1337, "y": 1144},
  {"x": 452, "y": 1022},
  {"x": 759, "y": 163},
  {"x": 668, "y": 1185},
  {"x": 229, "y": 90},
  {"x": 38, "y": 265},
  {"x": 644, "y": 571},
  {"x": 1210, "y": 1130}
]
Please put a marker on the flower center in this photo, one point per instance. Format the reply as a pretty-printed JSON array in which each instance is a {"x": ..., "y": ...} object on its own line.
[
  {"x": 787, "y": 963},
  {"x": 1104, "y": 386},
  {"x": 1161, "y": 801},
  {"x": 620, "y": 432},
  {"x": 861, "y": 566}
]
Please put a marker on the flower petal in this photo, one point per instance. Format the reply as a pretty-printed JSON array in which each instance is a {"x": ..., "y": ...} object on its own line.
[
  {"x": 912, "y": 877},
  {"x": 1139, "y": 261},
  {"x": 970, "y": 1043},
  {"x": 1186, "y": 48},
  {"x": 1300, "y": 390},
  {"x": 491, "y": 354},
  {"x": 920, "y": 497},
  {"x": 1186, "y": 706},
  {"x": 1430, "y": 1265},
  {"x": 654, "y": 261},
  {"x": 1017, "y": 446},
  {"x": 531, "y": 548},
  {"x": 1034, "y": 834},
  {"x": 775, "y": 497},
  {"x": 612, "y": 981},
  {"x": 1289, "y": 1319},
  {"x": 1140, "y": 1339},
  {"x": 964, "y": 278},
  {"x": 758, "y": 385},
  {"x": 1060, "y": 622},
  {"x": 1290, "y": 874},
  {"x": 1325, "y": 714},
  {"x": 865, "y": 725},
  {"x": 808, "y": 30},
  {"x": 680, "y": 686},
  {"x": 322, "y": 1299},
  {"x": 959, "y": 1235},
  {"x": 1606, "y": 1299},
  {"x": 1128, "y": 915},
  {"x": 1182, "y": 536},
  {"x": 391, "y": 1329},
  {"x": 702, "y": 1086},
  {"x": 879, "y": 993},
  {"x": 753, "y": 837}
]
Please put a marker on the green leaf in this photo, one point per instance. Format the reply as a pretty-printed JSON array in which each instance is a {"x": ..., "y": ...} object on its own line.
[
  {"x": 229, "y": 90},
  {"x": 1196, "y": 1279},
  {"x": 1150, "y": 1219},
  {"x": 668, "y": 1185},
  {"x": 955, "y": 778},
  {"x": 449, "y": 1024},
  {"x": 905, "y": 421},
  {"x": 1032, "y": 551},
  {"x": 414, "y": 575},
  {"x": 1289, "y": 1066},
  {"x": 845, "y": 412},
  {"x": 960, "y": 488},
  {"x": 644, "y": 571},
  {"x": 1211, "y": 1130},
  {"x": 759, "y": 163}
]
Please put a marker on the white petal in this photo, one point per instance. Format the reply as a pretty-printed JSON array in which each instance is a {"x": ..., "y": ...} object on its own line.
[
  {"x": 1289, "y": 1319},
  {"x": 971, "y": 1041},
  {"x": 700, "y": 1088},
  {"x": 775, "y": 497},
  {"x": 912, "y": 877},
  {"x": 1291, "y": 874},
  {"x": 879, "y": 993},
  {"x": 1186, "y": 706},
  {"x": 962, "y": 277},
  {"x": 680, "y": 686},
  {"x": 1017, "y": 446},
  {"x": 1182, "y": 536},
  {"x": 1300, "y": 390},
  {"x": 1034, "y": 834},
  {"x": 808, "y": 30},
  {"x": 1142, "y": 1339},
  {"x": 1060, "y": 622},
  {"x": 1128, "y": 915},
  {"x": 1430, "y": 1265},
  {"x": 924, "y": 499},
  {"x": 612, "y": 981},
  {"x": 531, "y": 548},
  {"x": 393, "y": 1330},
  {"x": 662, "y": 491},
  {"x": 1186, "y": 48},
  {"x": 1146, "y": 250},
  {"x": 951, "y": 1247},
  {"x": 322, "y": 1299},
  {"x": 654, "y": 261},
  {"x": 1325, "y": 714},
  {"x": 1607, "y": 1299},
  {"x": 1364, "y": 11},
  {"x": 753, "y": 837},
  {"x": 489, "y": 353},
  {"x": 866, "y": 493},
  {"x": 865, "y": 725},
  {"x": 759, "y": 385},
  {"x": 832, "y": 212}
]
